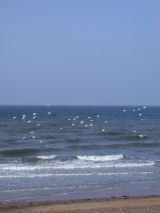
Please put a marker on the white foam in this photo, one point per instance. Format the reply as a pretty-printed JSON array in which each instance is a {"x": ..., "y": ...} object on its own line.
[
  {"x": 101, "y": 158},
  {"x": 68, "y": 166},
  {"x": 75, "y": 174},
  {"x": 47, "y": 157}
]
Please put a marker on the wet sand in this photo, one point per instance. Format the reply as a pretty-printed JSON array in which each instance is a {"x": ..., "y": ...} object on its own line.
[{"x": 145, "y": 204}]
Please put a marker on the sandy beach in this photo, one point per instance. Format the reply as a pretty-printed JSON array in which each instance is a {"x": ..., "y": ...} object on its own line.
[{"x": 148, "y": 204}]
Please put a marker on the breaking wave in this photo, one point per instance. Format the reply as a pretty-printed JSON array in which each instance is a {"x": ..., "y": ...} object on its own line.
[{"x": 101, "y": 158}]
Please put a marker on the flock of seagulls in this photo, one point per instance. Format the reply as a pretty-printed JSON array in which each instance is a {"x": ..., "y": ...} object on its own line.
[{"x": 89, "y": 124}]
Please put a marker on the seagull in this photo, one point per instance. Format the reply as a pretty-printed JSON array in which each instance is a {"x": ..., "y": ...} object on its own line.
[
  {"x": 141, "y": 136},
  {"x": 49, "y": 113},
  {"x": 140, "y": 114},
  {"x": 91, "y": 124},
  {"x": 98, "y": 116},
  {"x": 69, "y": 119},
  {"x": 124, "y": 110},
  {"x": 103, "y": 130},
  {"x": 144, "y": 107},
  {"x": 106, "y": 122},
  {"x": 28, "y": 121},
  {"x": 33, "y": 136},
  {"x": 89, "y": 117},
  {"x": 31, "y": 132},
  {"x": 139, "y": 109},
  {"x": 73, "y": 124},
  {"x": 91, "y": 120},
  {"x": 86, "y": 125},
  {"x": 61, "y": 128},
  {"x": 24, "y": 138},
  {"x": 133, "y": 110},
  {"x": 81, "y": 122},
  {"x": 38, "y": 125},
  {"x": 14, "y": 117},
  {"x": 134, "y": 131},
  {"x": 23, "y": 117}
]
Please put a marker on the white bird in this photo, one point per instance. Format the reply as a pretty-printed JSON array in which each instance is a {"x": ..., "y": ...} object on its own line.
[
  {"x": 23, "y": 117},
  {"x": 14, "y": 117},
  {"x": 106, "y": 122},
  {"x": 38, "y": 125},
  {"x": 41, "y": 141},
  {"x": 60, "y": 128},
  {"x": 34, "y": 113},
  {"x": 69, "y": 119},
  {"x": 81, "y": 122},
  {"x": 33, "y": 136},
  {"x": 133, "y": 110},
  {"x": 140, "y": 114},
  {"x": 144, "y": 107},
  {"x": 134, "y": 131},
  {"x": 28, "y": 121},
  {"x": 49, "y": 113},
  {"x": 124, "y": 110},
  {"x": 89, "y": 117},
  {"x": 86, "y": 125},
  {"x": 31, "y": 132},
  {"x": 139, "y": 109},
  {"x": 24, "y": 138},
  {"x": 141, "y": 136},
  {"x": 73, "y": 124},
  {"x": 98, "y": 116},
  {"x": 91, "y": 124},
  {"x": 103, "y": 130},
  {"x": 91, "y": 120}
]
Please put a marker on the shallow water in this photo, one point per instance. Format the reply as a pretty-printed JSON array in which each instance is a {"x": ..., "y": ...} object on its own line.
[{"x": 56, "y": 152}]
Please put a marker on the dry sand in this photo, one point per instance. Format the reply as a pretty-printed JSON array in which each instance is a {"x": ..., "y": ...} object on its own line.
[{"x": 112, "y": 205}]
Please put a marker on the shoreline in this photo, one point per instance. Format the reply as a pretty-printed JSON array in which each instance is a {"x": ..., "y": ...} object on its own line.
[{"x": 114, "y": 204}]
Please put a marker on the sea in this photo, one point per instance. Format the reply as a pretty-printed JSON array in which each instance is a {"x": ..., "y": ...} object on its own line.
[{"x": 50, "y": 153}]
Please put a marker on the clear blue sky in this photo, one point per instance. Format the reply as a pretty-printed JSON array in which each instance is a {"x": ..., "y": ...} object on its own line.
[{"x": 92, "y": 52}]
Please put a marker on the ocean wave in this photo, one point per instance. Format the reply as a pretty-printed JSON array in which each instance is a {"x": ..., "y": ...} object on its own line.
[
  {"x": 52, "y": 124},
  {"x": 47, "y": 157},
  {"x": 73, "y": 140},
  {"x": 13, "y": 152},
  {"x": 114, "y": 145},
  {"x": 76, "y": 174},
  {"x": 134, "y": 137},
  {"x": 112, "y": 133},
  {"x": 74, "y": 157},
  {"x": 100, "y": 158},
  {"x": 27, "y": 152},
  {"x": 41, "y": 158},
  {"x": 48, "y": 137},
  {"x": 70, "y": 166}
]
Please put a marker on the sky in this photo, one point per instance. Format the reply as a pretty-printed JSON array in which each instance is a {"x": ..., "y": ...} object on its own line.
[{"x": 80, "y": 52}]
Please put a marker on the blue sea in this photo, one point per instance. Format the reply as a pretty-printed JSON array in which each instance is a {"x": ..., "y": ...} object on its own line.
[{"x": 75, "y": 152}]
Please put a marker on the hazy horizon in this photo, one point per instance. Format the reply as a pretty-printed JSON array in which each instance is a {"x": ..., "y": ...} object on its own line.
[{"x": 80, "y": 52}]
